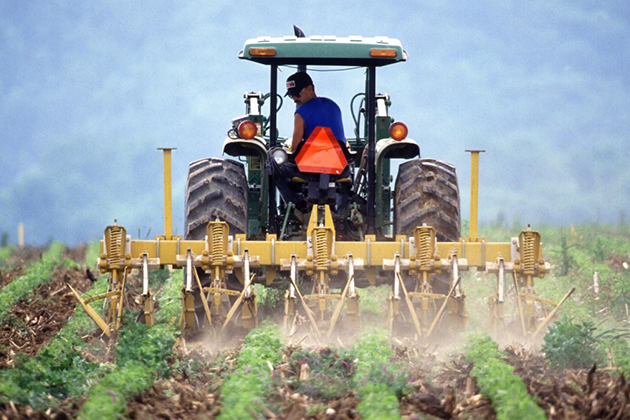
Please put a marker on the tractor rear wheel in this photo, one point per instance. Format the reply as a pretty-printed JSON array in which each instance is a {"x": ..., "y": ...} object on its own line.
[
  {"x": 215, "y": 189},
  {"x": 426, "y": 191}
]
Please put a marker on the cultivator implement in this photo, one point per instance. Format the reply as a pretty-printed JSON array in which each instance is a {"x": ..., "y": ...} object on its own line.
[
  {"x": 344, "y": 225},
  {"x": 409, "y": 265}
]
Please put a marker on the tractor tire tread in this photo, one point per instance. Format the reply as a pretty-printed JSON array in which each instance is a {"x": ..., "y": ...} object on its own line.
[
  {"x": 426, "y": 191},
  {"x": 215, "y": 189}
]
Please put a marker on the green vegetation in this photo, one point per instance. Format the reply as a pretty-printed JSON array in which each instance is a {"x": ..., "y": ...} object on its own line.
[
  {"x": 330, "y": 373},
  {"x": 576, "y": 254},
  {"x": 141, "y": 357},
  {"x": 59, "y": 370},
  {"x": 92, "y": 253},
  {"x": 5, "y": 253},
  {"x": 34, "y": 276},
  {"x": 268, "y": 298},
  {"x": 497, "y": 381},
  {"x": 379, "y": 382},
  {"x": 244, "y": 392},
  {"x": 573, "y": 345}
]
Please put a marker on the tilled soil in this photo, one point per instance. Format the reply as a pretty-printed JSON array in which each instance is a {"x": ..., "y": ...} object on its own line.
[
  {"x": 573, "y": 394},
  {"x": 36, "y": 319},
  {"x": 440, "y": 388},
  {"x": 439, "y": 391}
]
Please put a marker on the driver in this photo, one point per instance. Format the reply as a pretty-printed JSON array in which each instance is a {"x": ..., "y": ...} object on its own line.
[{"x": 311, "y": 112}]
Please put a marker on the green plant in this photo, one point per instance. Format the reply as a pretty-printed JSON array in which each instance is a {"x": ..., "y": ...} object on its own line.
[
  {"x": 573, "y": 345},
  {"x": 59, "y": 370},
  {"x": 141, "y": 356},
  {"x": 4, "y": 242},
  {"x": 378, "y": 381},
  {"x": 268, "y": 298},
  {"x": 497, "y": 381},
  {"x": 330, "y": 373},
  {"x": 244, "y": 391},
  {"x": 566, "y": 259}
]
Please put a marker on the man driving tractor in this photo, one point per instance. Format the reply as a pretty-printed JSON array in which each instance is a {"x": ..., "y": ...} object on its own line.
[{"x": 311, "y": 112}]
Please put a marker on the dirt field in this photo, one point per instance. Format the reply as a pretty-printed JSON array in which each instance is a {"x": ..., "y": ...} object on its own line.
[{"x": 440, "y": 386}]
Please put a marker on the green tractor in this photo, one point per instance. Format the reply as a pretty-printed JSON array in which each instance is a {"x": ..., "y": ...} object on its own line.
[
  {"x": 241, "y": 192},
  {"x": 346, "y": 226}
]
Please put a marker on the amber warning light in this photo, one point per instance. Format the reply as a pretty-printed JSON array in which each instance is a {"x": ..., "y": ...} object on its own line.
[
  {"x": 398, "y": 131},
  {"x": 263, "y": 52},
  {"x": 247, "y": 130},
  {"x": 383, "y": 52}
]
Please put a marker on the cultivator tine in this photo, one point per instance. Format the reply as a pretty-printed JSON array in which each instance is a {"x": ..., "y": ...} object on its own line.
[
  {"x": 552, "y": 313},
  {"x": 204, "y": 299},
  {"x": 308, "y": 311},
  {"x": 146, "y": 298},
  {"x": 91, "y": 312},
  {"x": 289, "y": 297},
  {"x": 248, "y": 282},
  {"x": 121, "y": 298},
  {"x": 443, "y": 307},
  {"x": 520, "y": 306},
  {"x": 339, "y": 306},
  {"x": 237, "y": 303},
  {"x": 188, "y": 298},
  {"x": 495, "y": 302},
  {"x": 412, "y": 309}
]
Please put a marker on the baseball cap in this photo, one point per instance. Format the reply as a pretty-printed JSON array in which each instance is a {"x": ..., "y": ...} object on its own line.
[{"x": 296, "y": 82}]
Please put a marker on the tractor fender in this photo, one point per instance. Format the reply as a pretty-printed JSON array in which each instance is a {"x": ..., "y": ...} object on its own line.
[
  {"x": 242, "y": 147},
  {"x": 396, "y": 149}
]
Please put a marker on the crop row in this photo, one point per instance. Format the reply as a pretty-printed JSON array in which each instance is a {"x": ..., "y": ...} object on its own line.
[
  {"x": 245, "y": 390},
  {"x": 61, "y": 370},
  {"x": 379, "y": 383},
  {"x": 497, "y": 381},
  {"x": 141, "y": 357},
  {"x": 34, "y": 276}
]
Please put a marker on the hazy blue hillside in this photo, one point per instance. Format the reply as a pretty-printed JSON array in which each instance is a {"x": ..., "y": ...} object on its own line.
[{"x": 88, "y": 91}]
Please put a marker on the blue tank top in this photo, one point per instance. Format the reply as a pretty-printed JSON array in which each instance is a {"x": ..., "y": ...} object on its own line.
[{"x": 321, "y": 112}]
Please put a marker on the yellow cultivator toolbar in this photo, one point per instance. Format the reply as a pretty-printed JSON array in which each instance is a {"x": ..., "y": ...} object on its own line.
[{"x": 409, "y": 265}]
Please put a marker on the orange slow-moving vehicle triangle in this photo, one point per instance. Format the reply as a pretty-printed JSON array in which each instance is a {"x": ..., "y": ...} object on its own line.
[{"x": 321, "y": 153}]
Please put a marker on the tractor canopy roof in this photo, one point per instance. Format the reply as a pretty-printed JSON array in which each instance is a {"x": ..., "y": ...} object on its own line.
[{"x": 324, "y": 50}]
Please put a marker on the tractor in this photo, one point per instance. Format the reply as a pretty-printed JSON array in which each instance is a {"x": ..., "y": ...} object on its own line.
[{"x": 349, "y": 227}]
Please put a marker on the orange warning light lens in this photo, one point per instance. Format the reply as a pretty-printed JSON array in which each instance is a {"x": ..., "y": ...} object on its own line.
[
  {"x": 247, "y": 130},
  {"x": 398, "y": 131},
  {"x": 383, "y": 52},
  {"x": 264, "y": 52}
]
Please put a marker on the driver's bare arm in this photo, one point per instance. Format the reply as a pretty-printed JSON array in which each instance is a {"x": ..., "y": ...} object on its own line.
[{"x": 298, "y": 132}]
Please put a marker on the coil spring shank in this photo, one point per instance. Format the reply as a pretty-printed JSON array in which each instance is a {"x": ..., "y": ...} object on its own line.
[
  {"x": 321, "y": 248},
  {"x": 217, "y": 236},
  {"x": 424, "y": 237},
  {"x": 529, "y": 242},
  {"x": 115, "y": 239}
]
